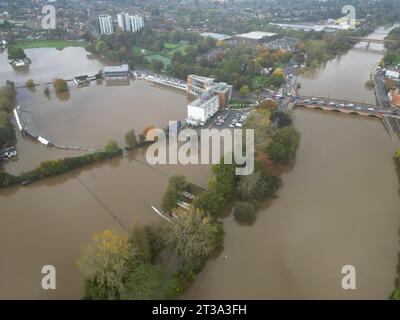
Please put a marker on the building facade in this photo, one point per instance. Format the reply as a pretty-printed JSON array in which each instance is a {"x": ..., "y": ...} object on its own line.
[
  {"x": 198, "y": 85},
  {"x": 116, "y": 72},
  {"x": 106, "y": 24},
  {"x": 203, "y": 108},
  {"x": 224, "y": 93},
  {"x": 130, "y": 23}
]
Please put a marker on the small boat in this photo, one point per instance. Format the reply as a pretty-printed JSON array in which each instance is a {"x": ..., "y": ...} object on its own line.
[
  {"x": 160, "y": 214},
  {"x": 26, "y": 182}
]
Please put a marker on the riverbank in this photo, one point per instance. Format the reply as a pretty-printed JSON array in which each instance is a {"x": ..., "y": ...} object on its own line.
[{"x": 57, "y": 44}]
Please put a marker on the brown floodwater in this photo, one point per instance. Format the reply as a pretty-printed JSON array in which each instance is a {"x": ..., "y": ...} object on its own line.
[
  {"x": 50, "y": 63},
  {"x": 339, "y": 205},
  {"x": 48, "y": 221}
]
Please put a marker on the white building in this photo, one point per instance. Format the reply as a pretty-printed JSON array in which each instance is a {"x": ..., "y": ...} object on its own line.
[
  {"x": 124, "y": 21},
  {"x": 106, "y": 24},
  {"x": 130, "y": 23},
  {"x": 137, "y": 23},
  {"x": 202, "y": 109}
]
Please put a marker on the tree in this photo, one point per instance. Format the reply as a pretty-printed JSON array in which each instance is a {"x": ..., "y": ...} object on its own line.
[
  {"x": 60, "y": 85},
  {"x": 269, "y": 105},
  {"x": 284, "y": 145},
  {"x": 282, "y": 118},
  {"x": 245, "y": 212},
  {"x": 223, "y": 181},
  {"x": 30, "y": 83},
  {"x": 210, "y": 201},
  {"x": 173, "y": 194},
  {"x": 244, "y": 90},
  {"x": 46, "y": 92},
  {"x": 7, "y": 98},
  {"x": 105, "y": 262},
  {"x": 16, "y": 53},
  {"x": 193, "y": 237},
  {"x": 112, "y": 146},
  {"x": 131, "y": 140},
  {"x": 147, "y": 282},
  {"x": 140, "y": 239}
]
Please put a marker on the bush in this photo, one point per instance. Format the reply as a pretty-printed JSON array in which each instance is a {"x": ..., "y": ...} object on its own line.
[
  {"x": 60, "y": 85},
  {"x": 245, "y": 212},
  {"x": 147, "y": 282},
  {"x": 30, "y": 83}
]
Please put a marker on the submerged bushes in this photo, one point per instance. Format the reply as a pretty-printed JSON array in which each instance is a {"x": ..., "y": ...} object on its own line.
[{"x": 56, "y": 167}]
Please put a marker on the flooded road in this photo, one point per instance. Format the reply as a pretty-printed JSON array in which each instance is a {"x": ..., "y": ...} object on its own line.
[{"x": 338, "y": 206}]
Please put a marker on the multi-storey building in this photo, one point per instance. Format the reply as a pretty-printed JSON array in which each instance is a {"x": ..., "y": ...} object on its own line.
[{"x": 106, "y": 24}]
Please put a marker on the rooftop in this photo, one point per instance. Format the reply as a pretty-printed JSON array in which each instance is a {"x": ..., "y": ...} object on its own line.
[
  {"x": 257, "y": 35},
  {"x": 216, "y": 36},
  {"x": 200, "y": 78},
  {"x": 200, "y": 101},
  {"x": 111, "y": 69},
  {"x": 221, "y": 87}
]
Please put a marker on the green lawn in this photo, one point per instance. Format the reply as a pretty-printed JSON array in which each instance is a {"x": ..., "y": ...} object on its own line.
[
  {"x": 58, "y": 44},
  {"x": 181, "y": 48},
  {"x": 171, "y": 46},
  {"x": 163, "y": 59}
]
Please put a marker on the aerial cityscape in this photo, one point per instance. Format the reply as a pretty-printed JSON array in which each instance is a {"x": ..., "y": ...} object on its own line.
[{"x": 200, "y": 150}]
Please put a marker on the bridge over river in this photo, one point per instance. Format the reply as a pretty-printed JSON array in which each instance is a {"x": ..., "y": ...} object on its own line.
[{"x": 391, "y": 119}]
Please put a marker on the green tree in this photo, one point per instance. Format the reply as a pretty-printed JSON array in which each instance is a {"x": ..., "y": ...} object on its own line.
[
  {"x": 105, "y": 262},
  {"x": 16, "y": 53},
  {"x": 244, "y": 90},
  {"x": 147, "y": 282},
  {"x": 245, "y": 212},
  {"x": 210, "y": 201},
  {"x": 173, "y": 194},
  {"x": 223, "y": 181},
  {"x": 60, "y": 85},
  {"x": 131, "y": 139},
  {"x": 112, "y": 146},
  {"x": 30, "y": 83},
  {"x": 284, "y": 145},
  {"x": 193, "y": 237}
]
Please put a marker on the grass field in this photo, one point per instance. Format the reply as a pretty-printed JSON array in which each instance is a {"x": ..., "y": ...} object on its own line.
[
  {"x": 58, "y": 44},
  {"x": 165, "y": 60},
  {"x": 180, "y": 48},
  {"x": 171, "y": 46}
]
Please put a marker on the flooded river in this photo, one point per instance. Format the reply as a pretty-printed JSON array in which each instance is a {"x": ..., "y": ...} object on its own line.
[{"x": 339, "y": 204}]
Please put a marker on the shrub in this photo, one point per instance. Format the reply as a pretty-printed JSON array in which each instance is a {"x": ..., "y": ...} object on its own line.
[
  {"x": 30, "y": 83},
  {"x": 245, "y": 212},
  {"x": 60, "y": 85}
]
